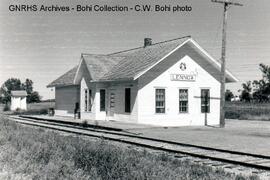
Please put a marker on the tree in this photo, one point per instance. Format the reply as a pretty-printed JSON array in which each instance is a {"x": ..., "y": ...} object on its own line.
[
  {"x": 246, "y": 92},
  {"x": 228, "y": 95},
  {"x": 33, "y": 97},
  {"x": 28, "y": 86},
  {"x": 15, "y": 84},
  {"x": 262, "y": 87},
  {"x": 8, "y": 86},
  {"x": 266, "y": 72}
]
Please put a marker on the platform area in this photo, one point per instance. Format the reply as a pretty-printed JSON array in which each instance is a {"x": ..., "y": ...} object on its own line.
[
  {"x": 99, "y": 123},
  {"x": 238, "y": 135}
]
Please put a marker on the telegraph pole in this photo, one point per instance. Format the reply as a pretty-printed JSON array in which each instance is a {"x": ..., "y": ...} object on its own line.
[{"x": 226, "y": 5}]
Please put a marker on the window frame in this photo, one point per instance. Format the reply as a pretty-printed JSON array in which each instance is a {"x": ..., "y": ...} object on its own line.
[
  {"x": 158, "y": 109},
  {"x": 87, "y": 100},
  {"x": 128, "y": 100},
  {"x": 89, "y": 108},
  {"x": 203, "y": 104},
  {"x": 187, "y": 101},
  {"x": 102, "y": 101}
]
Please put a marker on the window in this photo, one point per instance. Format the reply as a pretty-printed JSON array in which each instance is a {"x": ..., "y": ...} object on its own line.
[
  {"x": 102, "y": 100},
  {"x": 89, "y": 107},
  {"x": 205, "y": 101},
  {"x": 127, "y": 100},
  {"x": 87, "y": 100},
  {"x": 183, "y": 100},
  {"x": 160, "y": 100}
]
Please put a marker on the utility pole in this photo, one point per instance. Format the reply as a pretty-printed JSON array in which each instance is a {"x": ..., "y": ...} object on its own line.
[{"x": 226, "y": 4}]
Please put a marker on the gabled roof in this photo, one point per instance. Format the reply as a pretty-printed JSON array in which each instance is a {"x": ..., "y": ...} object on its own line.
[
  {"x": 137, "y": 60},
  {"x": 130, "y": 64},
  {"x": 66, "y": 79},
  {"x": 20, "y": 93},
  {"x": 99, "y": 65}
]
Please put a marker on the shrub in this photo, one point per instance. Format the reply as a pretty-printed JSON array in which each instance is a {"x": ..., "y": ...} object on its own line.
[
  {"x": 96, "y": 123},
  {"x": 18, "y": 109},
  {"x": 240, "y": 110},
  {"x": 232, "y": 115},
  {"x": 84, "y": 123},
  {"x": 6, "y": 108},
  {"x": 32, "y": 112}
]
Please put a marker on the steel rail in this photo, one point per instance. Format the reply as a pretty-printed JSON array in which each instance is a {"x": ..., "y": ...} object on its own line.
[
  {"x": 160, "y": 140},
  {"x": 148, "y": 145}
]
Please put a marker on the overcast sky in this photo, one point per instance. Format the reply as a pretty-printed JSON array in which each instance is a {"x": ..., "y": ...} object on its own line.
[{"x": 43, "y": 46}]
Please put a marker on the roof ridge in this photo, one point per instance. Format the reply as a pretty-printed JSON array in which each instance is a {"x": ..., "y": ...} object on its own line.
[
  {"x": 90, "y": 54},
  {"x": 189, "y": 36},
  {"x": 106, "y": 55}
]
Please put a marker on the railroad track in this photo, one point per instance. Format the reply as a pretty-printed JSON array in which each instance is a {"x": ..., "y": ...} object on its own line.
[{"x": 260, "y": 162}]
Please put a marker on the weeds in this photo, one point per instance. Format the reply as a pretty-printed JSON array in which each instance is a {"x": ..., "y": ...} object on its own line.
[
  {"x": 38, "y": 154},
  {"x": 249, "y": 111},
  {"x": 31, "y": 112},
  {"x": 6, "y": 107},
  {"x": 84, "y": 123}
]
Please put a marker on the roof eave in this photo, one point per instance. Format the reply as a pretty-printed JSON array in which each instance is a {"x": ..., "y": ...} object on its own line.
[
  {"x": 229, "y": 75},
  {"x": 61, "y": 85},
  {"x": 143, "y": 72},
  {"x": 78, "y": 68},
  {"x": 112, "y": 80}
]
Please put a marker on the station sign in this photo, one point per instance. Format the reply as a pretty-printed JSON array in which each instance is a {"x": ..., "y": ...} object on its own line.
[{"x": 183, "y": 77}]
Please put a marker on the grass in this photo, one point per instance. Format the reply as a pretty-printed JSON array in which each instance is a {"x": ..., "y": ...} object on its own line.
[
  {"x": 32, "y": 109},
  {"x": 41, "y": 105},
  {"x": 35, "y": 153},
  {"x": 249, "y": 111}
]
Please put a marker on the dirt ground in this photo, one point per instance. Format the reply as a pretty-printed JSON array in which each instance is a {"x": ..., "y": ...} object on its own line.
[{"x": 238, "y": 135}]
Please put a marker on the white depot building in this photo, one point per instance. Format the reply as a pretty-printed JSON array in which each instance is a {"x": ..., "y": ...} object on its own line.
[{"x": 170, "y": 83}]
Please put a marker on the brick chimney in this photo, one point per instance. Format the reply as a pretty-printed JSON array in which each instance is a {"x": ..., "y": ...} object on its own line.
[{"x": 147, "y": 42}]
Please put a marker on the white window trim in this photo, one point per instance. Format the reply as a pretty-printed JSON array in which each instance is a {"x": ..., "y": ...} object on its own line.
[
  {"x": 155, "y": 88},
  {"x": 208, "y": 88},
  {"x": 89, "y": 100},
  {"x": 187, "y": 112}
]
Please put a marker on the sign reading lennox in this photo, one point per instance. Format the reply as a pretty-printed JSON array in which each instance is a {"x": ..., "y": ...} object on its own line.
[{"x": 183, "y": 77}]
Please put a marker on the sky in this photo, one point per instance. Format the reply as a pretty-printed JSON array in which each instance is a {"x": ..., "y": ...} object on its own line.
[{"x": 42, "y": 46}]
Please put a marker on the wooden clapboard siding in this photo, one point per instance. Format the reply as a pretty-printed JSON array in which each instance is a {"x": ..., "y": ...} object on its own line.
[
  {"x": 66, "y": 97},
  {"x": 120, "y": 113}
]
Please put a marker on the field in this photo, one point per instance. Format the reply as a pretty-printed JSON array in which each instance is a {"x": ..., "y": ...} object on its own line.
[
  {"x": 33, "y": 153},
  {"x": 233, "y": 110},
  {"x": 41, "y": 105},
  {"x": 247, "y": 111},
  {"x": 33, "y": 108}
]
